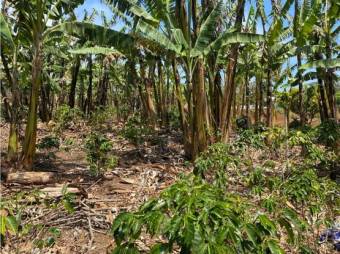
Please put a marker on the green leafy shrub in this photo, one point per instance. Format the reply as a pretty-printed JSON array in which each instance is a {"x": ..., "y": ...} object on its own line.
[
  {"x": 66, "y": 117},
  {"x": 200, "y": 213},
  {"x": 328, "y": 133},
  {"x": 199, "y": 218},
  {"x": 256, "y": 181},
  {"x": 48, "y": 142},
  {"x": 135, "y": 130},
  {"x": 68, "y": 144},
  {"x": 275, "y": 137},
  {"x": 214, "y": 162},
  {"x": 250, "y": 138},
  {"x": 101, "y": 116},
  {"x": 48, "y": 241},
  {"x": 98, "y": 153},
  {"x": 309, "y": 150},
  {"x": 305, "y": 188}
]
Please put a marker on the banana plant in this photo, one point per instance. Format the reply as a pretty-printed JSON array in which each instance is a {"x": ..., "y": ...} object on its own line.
[
  {"x": 34, "y": 19},
  {"x": 163, "y": 33},
  {"x": 10, "y": 44}
]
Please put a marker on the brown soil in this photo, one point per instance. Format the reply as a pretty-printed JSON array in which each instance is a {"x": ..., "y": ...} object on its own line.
[{"x": 142, "y": 172}]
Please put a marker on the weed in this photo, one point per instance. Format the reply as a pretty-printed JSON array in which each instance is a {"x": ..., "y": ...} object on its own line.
[
  {"x": 48, "y": 142},
  {"x": 98, "y": 150},
  {"x": 135, "y": 130},
  {"x": 66, "y": 117}
]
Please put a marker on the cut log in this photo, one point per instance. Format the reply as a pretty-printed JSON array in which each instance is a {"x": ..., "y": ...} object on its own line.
[
  {"x": 30, "y": 177},
  {"x": 55, "y": 192}
]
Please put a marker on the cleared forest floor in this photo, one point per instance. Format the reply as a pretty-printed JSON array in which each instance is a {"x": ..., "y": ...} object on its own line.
[{"x": 142, "y": 171}]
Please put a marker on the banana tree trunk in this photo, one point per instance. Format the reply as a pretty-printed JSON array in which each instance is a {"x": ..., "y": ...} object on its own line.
[
  {"x": 150, "y": 107},
  {"x": 183, "y": 116},
  {"x": 301, "y": 110},
  {"x": 89, "y": 88},
  {"x": 75, "y": 71},
  {"x": 12, "y": 111},
  {"x": 247, "y": 95},
  {"x": 330, "y": 81},
  {"x": 269, "y": 99},
  {"x": 44, "y": 105},
  {"x": 229, "y": 90},
  {"x": 161, "y": 92},
  {"x": 31, "y": 126},
  {"x": 6, "y": 107},
  {"x": 103, "y": 86},
  {"x": 81, "y": 94},
  {"x": 199, "y": 138},
  {"x": 62, "y": 84},
  {"x": 257, "y": 98},
  {"x": 228, "y": 96},
  {"x": 323, "y": 101}
]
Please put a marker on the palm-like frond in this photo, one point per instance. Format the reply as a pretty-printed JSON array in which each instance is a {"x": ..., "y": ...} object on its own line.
[
  {"x": 149, "y": 32},
  {"x": 5, "y": 33},
  {"x": 95, "y": 51},
  {"x": 207, "y": 30},
  {"x": 325, "y": 64},
  {"x": 234, "y": 37},
  {"x": 97, "y": 34}
]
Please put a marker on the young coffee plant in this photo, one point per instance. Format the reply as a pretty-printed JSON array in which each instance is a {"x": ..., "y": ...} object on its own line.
[
  {"x": 275, "y": 138},
  {"x": 198, "y": 217},
  {"x": 328, "y": 133},
  {"x": 48, "y": 142},
  {"x": 101, "y": 117},
  {"x": 99, "y": 153},
  {"x": 66, "y": 117},
  {"x": 202, "y": 214},
  {"x": 250, "y": 138},
  {"x": 135, "y": 130},
  {"x": 212, "y": 164},
  {"x": 309, "y": 149}
]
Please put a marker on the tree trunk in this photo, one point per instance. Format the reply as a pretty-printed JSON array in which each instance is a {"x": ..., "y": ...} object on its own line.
[
  {"x": 89, "y": 88},
  {"x": 330, "y": 82},
  {"x": 13, "y": 110},
  {"x": 301, "y": 109},
  {"x": 45, "y": 111},
  {"x": 62, "y": 84},
  {"x": 182, "y": 114},
  {"x": 75, "y": 71},
  {"x": 257, "y": 98},
  {"x": 229, "y": 90},
  {"x": 247, "y": 95},
  {"x": 6, "y": 110},
  {"x": 161, "y": 93},
  {"x": 150, "y": 107},
  {"x": 31, "y": 126},
  {"x": 103, "y": 86},
  {"x": 81, "y": 94},
  {"x": 269, "y": 100},
  {"x": 323, "y": 103},
  {"x": 199, "y": 138}
]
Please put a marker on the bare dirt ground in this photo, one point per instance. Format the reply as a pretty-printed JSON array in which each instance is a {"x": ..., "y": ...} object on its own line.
[{"x": 142, "y": 172}]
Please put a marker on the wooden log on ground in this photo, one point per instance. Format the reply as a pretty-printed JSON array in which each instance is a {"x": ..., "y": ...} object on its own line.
[
  {"x": 30, "y": 177},
  {"x": 57, "y": 191}
]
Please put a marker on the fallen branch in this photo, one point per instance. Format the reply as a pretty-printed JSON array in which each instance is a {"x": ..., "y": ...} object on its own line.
[{"x": 30, "y": 177}]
